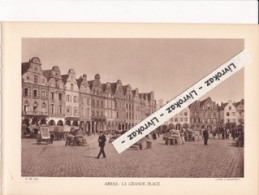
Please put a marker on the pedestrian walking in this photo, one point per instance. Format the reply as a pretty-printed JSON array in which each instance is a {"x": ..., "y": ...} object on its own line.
[
  {"x": 101, "y": 140},
  {"x": 227, "y": 133},
  {"x": 205, "y": 136}
]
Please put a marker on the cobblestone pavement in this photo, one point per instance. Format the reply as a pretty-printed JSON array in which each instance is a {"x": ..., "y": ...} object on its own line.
[{"x": 192, "y": 159}]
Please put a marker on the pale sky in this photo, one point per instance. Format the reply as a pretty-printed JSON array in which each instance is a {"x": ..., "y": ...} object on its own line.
[{"x": 165, "y": 66}]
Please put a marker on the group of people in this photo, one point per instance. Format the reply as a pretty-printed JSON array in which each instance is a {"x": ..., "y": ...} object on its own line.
[{"x": 225, "y": 133}]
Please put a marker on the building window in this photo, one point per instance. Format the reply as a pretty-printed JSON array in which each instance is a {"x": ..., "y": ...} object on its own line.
[
  {"x": 75, "y": 111},
  {"x": 185, "y": 113},
  {"x": 233, "y": 113},
  {"x": 68, "y": 110},
  {"x": 72, "y": 87},
  {"x": 82, "y": 112},
  {"x": 97, "y": 103},
  {"x": 68, "y": 98},
  {"x": 227, "y": 114},
  {"x": 176, "y": 119},
  {"x": 43, "y": 94},
  {"x": 35, "y": 93},
  {"x": 35, "y": 108},
  {"x": 60, "y": 97},
  {"x": 60, "y": 109},
  {"x": 87, "y": 112},
  {"x": 36, "y": 79},
  {"x": 229, "y": 107},
  {"x": 52, "y": 108},
  {"x": 97, "y": 113},
  {"x": 88, "y": 101},
  {"x": 25, "y": 109},
  {"x": 52, "y": 95},
  {"x": 93, "y": 102},
  {"x": 75, "y": 99},
  {"x": 26, "y": 92},
  {"x": 43, "y": 105}
]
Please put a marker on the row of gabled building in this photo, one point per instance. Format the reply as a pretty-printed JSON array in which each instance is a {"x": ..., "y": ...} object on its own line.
[
  {"x": 48, "y": 97},
  {"x": 209, "y": 114}
]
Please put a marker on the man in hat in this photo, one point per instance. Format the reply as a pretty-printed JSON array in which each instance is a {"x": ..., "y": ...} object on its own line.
[
  {"x": 205, "y": 136},
  {"x": 101, "y": 140}
]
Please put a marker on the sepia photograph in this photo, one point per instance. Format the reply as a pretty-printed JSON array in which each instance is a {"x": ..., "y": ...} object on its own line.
[{"x": 78, "y": 95}]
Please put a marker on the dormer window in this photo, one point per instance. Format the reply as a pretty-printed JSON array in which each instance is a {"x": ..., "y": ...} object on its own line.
[{"x": 36, "y": 79}]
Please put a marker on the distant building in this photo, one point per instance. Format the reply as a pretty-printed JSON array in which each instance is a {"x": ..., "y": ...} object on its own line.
[
  {"x": 204, "y": 114},
  {"x": 160, "y": 103},
  {"x": 209, "y": 115},
  {"x": 180, "y": 120},
  {"x": 72, "y": 98},
  {"x": 109, "y": 107},
  {"x": 240, "y": 112},
  {"x": 97, "y": 106},
  {"x": 136, "y": 106},
  {"x": 84, "y": 104},
  {"x": 129, "y": 106},
  {"x": 227, "y": 113},
  {"x": 56, "y": 94},
  {"x": 35, "y": 104}
]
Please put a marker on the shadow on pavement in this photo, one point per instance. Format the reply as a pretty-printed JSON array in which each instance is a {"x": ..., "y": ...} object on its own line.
[{"x": 90, "y": 156}]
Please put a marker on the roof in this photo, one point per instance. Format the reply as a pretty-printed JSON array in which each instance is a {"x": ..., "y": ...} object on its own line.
[
  {"x": 203, "y": 101},
  {"x": 25, "y": 67},
  {"x": 239, "y": 103},
  {"x": 222, "y": 106},
  {"x": 103, "y": 86},
  {"x": 79, "y": 81},
  {"x": 113, "y": 87},
  {"x": 124, "y": 88},
  {"x": 47, "y": 73},
  {"x": 64, "y": 78},
  {"x": 145, "y": 96},
  {"x": 90, "y": 83}
]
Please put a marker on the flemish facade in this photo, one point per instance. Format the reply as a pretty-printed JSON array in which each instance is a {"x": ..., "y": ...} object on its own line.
[
  {"x": 56, "y": 94},
  {"x": 84, "y": 104},
  {"x": 51, "y": 98},
  {"x": 72, "y": 98},
  {"x": 180, "y": 120},
  {"x": 35, "y": 104},
  {"x": 240, "y": 112}
]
